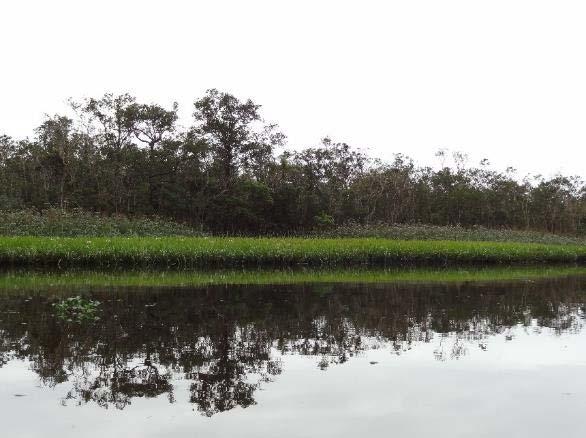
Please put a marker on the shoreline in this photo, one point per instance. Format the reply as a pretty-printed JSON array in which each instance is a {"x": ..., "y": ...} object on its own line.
[
  {"x": 30, "y": 279},
  {"x": 226, "y": 252}
]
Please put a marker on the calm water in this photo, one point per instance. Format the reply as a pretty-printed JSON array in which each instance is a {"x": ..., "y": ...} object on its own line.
[{"x": 504, "y": 359}]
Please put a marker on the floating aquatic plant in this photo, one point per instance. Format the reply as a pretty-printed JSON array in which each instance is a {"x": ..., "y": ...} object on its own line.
[{"x": 77, "y": 309}]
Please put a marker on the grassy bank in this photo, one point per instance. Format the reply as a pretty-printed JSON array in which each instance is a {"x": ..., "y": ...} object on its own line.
[
  {"x": 224, "y": 252},
  {"x": 26, "y": 280}
]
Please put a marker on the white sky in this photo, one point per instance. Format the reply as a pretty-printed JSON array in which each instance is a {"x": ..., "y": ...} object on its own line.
[{"x": 501, "y": 79}]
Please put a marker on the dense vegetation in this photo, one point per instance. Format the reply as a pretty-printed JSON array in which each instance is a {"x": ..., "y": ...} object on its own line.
[
  {"x": 226, "y": 251},
  {"x": 74, "y": 223},
  {"x": 456, "y": 232},
  {"x": 80, "y": 223},
  {"x": 229, "y": 172}
]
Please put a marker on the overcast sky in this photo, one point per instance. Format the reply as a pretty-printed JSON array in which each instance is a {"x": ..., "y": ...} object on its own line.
[{"x": 505, "y": 80}]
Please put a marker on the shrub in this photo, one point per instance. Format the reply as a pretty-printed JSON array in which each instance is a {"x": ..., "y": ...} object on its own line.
[
  {"x": 434, "y": 232},
  {"x": 59, "y": 223}
]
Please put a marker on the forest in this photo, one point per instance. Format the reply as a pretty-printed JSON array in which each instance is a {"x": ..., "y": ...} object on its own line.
[{"x": 232, "y": 172}]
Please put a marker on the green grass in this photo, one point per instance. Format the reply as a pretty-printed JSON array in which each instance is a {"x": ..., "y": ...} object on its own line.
[
  {"x": 26, "y": 280},
  {"x": 166, "y": 252}
]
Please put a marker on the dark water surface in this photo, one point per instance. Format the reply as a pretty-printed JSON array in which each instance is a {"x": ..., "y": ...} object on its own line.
[{"x": 502, "y": 359}]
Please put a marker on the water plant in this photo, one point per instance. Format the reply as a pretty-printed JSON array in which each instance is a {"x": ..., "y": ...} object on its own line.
[{"x": 77, "y": 309}]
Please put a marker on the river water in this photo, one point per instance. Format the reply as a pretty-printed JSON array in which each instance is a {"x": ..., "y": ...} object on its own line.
[{"x": 457, "y": 359}]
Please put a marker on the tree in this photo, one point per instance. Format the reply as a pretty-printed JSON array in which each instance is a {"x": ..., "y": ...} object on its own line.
[
  {"x": 153, "y": 124},
  {"x": 113, "y": 120},
  {"x": 238, "y": 139},
  {"x": 225, "y": 173},
  {"x": 55, "y": 138},
  {"x": 155, "y": 127}
]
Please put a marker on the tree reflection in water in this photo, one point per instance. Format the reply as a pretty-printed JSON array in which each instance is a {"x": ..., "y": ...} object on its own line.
[{"x": 227, "y": 341}]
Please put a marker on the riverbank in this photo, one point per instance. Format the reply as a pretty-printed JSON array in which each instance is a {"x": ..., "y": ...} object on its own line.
[{"x": 199, "y": 252}]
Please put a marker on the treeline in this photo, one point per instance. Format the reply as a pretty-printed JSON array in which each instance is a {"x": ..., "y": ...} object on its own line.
[{"x": 230, "y": 172}]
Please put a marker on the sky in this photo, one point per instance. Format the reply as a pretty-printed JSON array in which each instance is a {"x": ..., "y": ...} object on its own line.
[{"x": 502, "y": 80}]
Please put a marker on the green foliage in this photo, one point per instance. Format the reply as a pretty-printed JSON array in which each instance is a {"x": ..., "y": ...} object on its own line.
[
  {"x": 227, "y": 174},
  {"x": 220, "y": 252},
  {"x": 56, "y": 222},
  {"x": 77, "y": 309},
  {"x": 459, "y": 233},
  {"x": 324, "y": 221}
]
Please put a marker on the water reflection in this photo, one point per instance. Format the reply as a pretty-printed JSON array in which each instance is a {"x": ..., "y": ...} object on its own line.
[{"x": 227, "y": 342}]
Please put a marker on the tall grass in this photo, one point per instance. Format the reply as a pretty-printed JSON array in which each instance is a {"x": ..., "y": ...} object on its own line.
[{"x": 227, "y": 251}]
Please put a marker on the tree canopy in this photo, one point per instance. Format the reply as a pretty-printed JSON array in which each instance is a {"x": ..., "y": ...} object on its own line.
[{"x": 231, "y": 172}]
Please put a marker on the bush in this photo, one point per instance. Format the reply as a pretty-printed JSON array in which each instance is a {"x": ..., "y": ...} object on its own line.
[
  {"x": 434, "y": 232},
  {"x": 324, "y": 221},
  {"x": 74, "y": 223}
]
